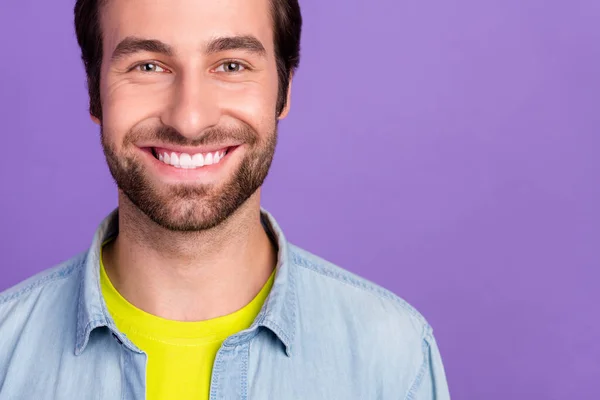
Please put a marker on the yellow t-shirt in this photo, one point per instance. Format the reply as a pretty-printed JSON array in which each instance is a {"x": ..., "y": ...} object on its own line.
[{"x": 180, "y": 354}]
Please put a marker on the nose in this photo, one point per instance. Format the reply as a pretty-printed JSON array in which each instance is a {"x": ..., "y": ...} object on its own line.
[{"x": 193, "y": 106}]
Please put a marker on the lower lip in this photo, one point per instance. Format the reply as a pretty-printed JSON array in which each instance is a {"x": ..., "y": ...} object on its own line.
[{"x": 201, "y": 174}]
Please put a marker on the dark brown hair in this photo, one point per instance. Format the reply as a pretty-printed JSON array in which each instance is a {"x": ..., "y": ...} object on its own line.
[{"x": 287, "y": 27}]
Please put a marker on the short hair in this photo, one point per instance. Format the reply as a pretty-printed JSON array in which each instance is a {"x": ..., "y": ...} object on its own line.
[{"x": 287, "y": 28}]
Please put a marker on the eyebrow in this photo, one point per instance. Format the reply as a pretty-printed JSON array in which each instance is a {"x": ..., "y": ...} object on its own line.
[
  {"x": 131, "y": 45},
  {"x": 245, "y": 42}
]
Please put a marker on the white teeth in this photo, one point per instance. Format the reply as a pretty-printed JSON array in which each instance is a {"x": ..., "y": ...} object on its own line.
[
  {"x": 175, "y": 160},
  {"x": 186, "y": 161},
  {"x": 198, "y": 160}
]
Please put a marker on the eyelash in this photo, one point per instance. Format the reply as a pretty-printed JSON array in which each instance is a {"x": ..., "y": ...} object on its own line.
[{"x": 243, "y": 65}]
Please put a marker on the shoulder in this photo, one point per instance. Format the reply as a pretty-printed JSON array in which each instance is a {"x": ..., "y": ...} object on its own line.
[
  {"x": 340, "y": 310},
  {"x": 38, "y": 320},
  {"x": 371, "y": 303},
  {"x": 38, "y": 282},
  {"x": 38, "y": 297}
]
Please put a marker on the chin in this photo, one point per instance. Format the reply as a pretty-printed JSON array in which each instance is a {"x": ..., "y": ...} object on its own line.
[{"x": 197, "y": 212}]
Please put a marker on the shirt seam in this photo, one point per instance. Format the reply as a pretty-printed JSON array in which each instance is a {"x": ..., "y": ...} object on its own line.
[
  {"x": 359, "y": 284},
  {"x": 416, "y": 384},
  {"x": 63, "y": 272},
  {"x": 281, "y": 331},
  {"x": 244, "y": 370}
]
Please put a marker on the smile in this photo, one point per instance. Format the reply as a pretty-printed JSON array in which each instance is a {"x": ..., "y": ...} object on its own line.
[{"x": 189, "y": 161}]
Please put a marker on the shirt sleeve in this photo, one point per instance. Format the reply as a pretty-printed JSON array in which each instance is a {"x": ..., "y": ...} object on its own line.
[{"x": 430, "y": 383}]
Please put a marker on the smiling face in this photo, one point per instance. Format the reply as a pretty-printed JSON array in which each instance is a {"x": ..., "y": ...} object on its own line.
[{"x": 189, "y": 95}]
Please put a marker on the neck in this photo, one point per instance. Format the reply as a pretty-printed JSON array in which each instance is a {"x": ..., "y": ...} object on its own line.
[{"x": 190, "y": 276}]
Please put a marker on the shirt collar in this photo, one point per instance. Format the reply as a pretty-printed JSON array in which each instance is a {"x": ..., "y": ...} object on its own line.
[{"x": 277, "y": 314}]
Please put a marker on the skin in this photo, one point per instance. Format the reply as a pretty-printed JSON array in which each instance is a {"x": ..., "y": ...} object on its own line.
[{"x": 190, "y": 262}]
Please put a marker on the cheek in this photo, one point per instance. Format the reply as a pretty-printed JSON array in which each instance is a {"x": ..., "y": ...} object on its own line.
[
  {"x": 251, "y": 103},
  {"x": 125, "y": 105}
]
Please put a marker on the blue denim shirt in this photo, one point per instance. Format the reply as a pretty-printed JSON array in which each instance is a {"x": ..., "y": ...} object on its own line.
[{"x": 322, "y": 334}]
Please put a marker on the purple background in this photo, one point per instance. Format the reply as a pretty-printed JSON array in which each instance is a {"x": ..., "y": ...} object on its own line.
[{"x": 445, "y": 150}]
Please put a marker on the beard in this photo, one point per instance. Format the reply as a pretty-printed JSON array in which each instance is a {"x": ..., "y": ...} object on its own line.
[{"x": 190, "y": 207}]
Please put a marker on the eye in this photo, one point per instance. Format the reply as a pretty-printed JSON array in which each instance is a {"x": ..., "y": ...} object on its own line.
[
  {"x": 230, "y": 67},
  {"x": 149, "y": 67}
]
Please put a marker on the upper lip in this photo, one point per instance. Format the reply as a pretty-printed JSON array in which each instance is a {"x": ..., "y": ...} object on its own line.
[{"x": 190, "y": 150}]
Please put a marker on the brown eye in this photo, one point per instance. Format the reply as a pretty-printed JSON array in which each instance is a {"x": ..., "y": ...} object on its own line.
[{"x": 150, "y": 67}]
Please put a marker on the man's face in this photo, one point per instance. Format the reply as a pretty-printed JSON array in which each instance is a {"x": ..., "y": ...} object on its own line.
[{"x": 189, "y": 93}]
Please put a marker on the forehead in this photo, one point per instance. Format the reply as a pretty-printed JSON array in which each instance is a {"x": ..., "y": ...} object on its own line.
[{"x": 186, "y": 24}]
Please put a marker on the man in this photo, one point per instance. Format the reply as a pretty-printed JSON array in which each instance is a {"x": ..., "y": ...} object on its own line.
[{"x": 190, "y": 290}]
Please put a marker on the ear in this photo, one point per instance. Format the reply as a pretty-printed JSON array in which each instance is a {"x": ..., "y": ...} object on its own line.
[
  {"x": 288, "y": 102},
  {"x": 96, "y": 120}
]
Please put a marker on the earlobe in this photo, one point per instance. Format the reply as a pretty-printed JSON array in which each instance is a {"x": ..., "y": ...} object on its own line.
[
  {"x": 288, "y": 102},
  {"x": 95, "y": 120}
]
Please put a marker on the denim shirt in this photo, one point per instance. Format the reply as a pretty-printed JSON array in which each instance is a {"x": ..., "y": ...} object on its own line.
[{"x": 322, "y": 334}]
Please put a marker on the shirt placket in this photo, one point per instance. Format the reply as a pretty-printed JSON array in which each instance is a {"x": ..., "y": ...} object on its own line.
[{"x": 229, "y": 379}]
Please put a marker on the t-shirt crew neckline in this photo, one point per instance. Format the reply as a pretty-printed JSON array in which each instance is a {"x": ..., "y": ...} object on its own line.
[{"x": 133, "y": 319}]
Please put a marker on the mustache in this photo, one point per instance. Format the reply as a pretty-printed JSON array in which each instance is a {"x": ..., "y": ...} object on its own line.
[{"x": 211, "y": 136}]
